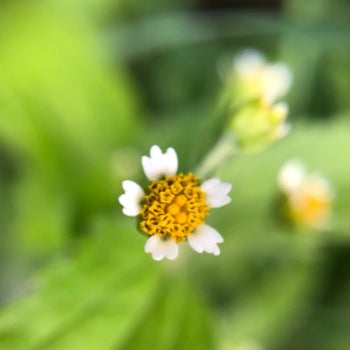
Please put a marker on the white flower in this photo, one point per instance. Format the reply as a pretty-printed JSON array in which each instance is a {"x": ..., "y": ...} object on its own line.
[
  {"x": 257, "y": 77},
  {"x": 276, "y": 81},
  {"x": 174, "y": 206},
  {"x": 308, "y": 197}
]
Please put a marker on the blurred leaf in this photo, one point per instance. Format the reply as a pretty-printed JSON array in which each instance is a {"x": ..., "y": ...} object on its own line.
[
  {"x": 95, "y": 10},
  {"x": 269, "y": 309},
  {"x": 177, "y": 320},
  {"x": 326, "y": 323},
  {"x": 43, "y": 214},
  {"x": 90, "y": 302},
  {"x": 66, "y": 109},
  {"x": 60, "y": 102},
  {"x": 110, "y": 296}
]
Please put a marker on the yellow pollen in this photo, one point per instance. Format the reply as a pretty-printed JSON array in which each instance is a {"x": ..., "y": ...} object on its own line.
[{"x": 173, "y": 207}]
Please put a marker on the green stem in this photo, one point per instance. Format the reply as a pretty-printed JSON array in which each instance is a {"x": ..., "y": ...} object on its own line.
[{"x": 223, "y": 150}]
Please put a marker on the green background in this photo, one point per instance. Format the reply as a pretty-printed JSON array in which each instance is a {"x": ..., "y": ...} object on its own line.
[{"x": 86, "y": 88}]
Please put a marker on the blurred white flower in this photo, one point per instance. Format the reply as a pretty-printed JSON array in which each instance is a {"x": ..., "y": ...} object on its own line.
[
  {"x": 308, "y": 196},
  {"x": 256, "y": 78},
  {"x": 173, "y": 207},
  {"x": 253, "y": 92}
]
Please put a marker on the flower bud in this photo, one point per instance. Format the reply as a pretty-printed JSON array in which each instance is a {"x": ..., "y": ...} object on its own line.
[
  {"x": 250, "y": 99},
  {"x": 257, "y": 125}
]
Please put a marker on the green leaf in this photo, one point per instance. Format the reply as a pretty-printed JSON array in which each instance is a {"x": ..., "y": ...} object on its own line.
[
  {"x": 177, "y": 320},
  {"x": 90, "y": 301},
  {"x": 62, "y": 104}
]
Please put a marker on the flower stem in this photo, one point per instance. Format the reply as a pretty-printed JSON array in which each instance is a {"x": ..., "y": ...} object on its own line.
[{"x": 223, "y": 150}]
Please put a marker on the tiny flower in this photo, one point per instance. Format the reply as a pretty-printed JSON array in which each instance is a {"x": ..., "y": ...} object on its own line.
[
  {"x": 173, "y": 207},
  {"x": 255, "y": 78},
  {"x": 254, "y": 87},
  {"x": 308, "y": 197}
]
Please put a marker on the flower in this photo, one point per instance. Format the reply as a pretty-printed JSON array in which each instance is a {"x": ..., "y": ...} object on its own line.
[
  {"x": 308, "y": 197},
  {"x": 258, "y": 125},
  {"x": 256, "y": 116},
  {"x": 258, "y": 79},
  {"x": 173, "y": 207}
]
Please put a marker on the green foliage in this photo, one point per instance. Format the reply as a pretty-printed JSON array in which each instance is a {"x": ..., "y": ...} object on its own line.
[
  {"x": 73, "y": 272},
  {"x": 110, "y": 296},
  {"x": 66, "y": 112}
]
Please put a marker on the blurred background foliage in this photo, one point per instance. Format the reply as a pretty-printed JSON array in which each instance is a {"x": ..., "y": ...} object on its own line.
[{"x": 86, "y": 87}]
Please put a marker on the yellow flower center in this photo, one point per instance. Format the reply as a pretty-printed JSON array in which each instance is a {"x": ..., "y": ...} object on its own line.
[
  {"x": 310, "y": 207},
  {"x": 174, "y": 207}
]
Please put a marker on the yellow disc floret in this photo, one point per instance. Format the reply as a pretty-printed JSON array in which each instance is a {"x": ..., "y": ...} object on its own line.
[{"x": 173, "y": 207}]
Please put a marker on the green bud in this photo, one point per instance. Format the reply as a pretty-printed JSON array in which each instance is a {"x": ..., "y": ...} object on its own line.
[{"x": 257, "y": 125}]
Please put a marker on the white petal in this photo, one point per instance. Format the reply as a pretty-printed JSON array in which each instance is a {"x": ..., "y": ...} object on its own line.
[
  {"x": 248, "y": 62},
  {"x": 216, "y": 192},
  {"x": 160, "y": 248},
  {"x": 205, "y": 239},
  {"x": 291, "y": 176},
  {"x": 160, "y": 164},
  {"x": 170, "y": 162},
  {"x": 282, "y": 109},
  {"x": 131, "y": 199},
  {"x": 156, "y": 152},
  {"x": 277, "y": 80},
  {"x": 148, "y": 168}
]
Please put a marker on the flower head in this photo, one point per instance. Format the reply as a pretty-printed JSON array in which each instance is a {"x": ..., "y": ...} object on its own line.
[
  {"x": 308, "y": 197},
  {"x": 173, "y": 207},
  {"x": 257, "y": 125},
  {"x": 257, "y": 117},
  {"x": 255, "y": 78}
]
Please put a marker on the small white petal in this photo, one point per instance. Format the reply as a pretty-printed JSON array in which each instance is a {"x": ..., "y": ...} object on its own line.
[
  {"x": 216, "y": 192},
  {"x": 131, "y": 199},
  {"x": 205, "y": 239},
  {"x": 170, "y": 162},
  {"x": 148, "y": 168},
  {"x": 291, "y": 176},
  {"x": 131, "y": 211},
  {"x": 160, "y": 248},
  {"x": 131, "y": 187},
  {"x": 276, "y": 81},
  {"x": 248, "y": 62},
  {"x": 155, "y": 152},
  {"x": 160, "y": 164}
]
